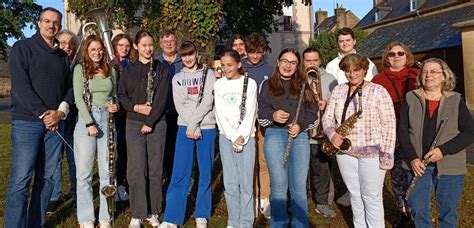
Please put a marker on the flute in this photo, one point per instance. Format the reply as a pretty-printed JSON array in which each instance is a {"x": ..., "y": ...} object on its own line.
[{"x": 295, "y": 120}]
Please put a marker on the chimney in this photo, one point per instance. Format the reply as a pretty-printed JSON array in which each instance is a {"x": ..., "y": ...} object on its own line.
[
  {"x": 377, "y": 2},
  {"x": 320, "y": 16},
  {"x": 340, "y": 14}
]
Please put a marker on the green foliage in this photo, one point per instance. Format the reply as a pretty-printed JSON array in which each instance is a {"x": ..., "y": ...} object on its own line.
[
  {"x": 327, "y": 45},
  {"x": 196, "y": 21},
  {"x": 120, "y": 13},
  {"x": 247, "y": 16},
  {"x": 14, "y": 16}
]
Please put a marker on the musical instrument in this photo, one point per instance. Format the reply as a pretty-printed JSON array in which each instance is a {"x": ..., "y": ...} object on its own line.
[
  {"x": 425, "y": 161},
  {"x": 149, "y": 84},
  {"x": 315, "y": 77},
  {"x": 86, "y": 93},
  {"x": 205, "y": 68},
  {"x": 343, "y": 130},
  {"x": 286, "y": 156},
  {"x": 244, "y": 97},
  {"x": 217, "y": 66},
  {"x": 109, "y": 190},
  {"x": 99, "y": 17}
]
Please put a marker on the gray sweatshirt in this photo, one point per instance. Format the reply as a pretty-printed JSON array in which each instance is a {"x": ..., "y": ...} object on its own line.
[{"x": 186, "y": 86}]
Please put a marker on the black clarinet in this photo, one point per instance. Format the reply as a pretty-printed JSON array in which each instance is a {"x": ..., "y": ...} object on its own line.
[
  {"x": 110, "y": 190},
  {"x": 86, "y": 93},
  {"x": 205, "y": 68},
  {"x": 425, "y": 161},
  {"x": 242, "y": 107},
  {"x": 149, "y": 84}
]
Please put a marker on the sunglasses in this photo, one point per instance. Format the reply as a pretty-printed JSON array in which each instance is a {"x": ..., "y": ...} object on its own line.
[{"x": 393, "y": 54}]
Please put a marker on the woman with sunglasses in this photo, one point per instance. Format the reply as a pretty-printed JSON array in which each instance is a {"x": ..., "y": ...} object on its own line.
[
  {"x": 398, "y": 77},
  {"x": 277, "y": 105}
]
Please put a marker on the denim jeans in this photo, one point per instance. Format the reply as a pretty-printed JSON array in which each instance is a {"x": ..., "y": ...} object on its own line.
[
  {"x": 238, "y": 171},
  {"x": 69, "y": 125},
  {"x": 293, "y": 176},
  {"x": 364, "y": 180},
  {"x": 35, "y": 149},
  {"x": 448, "y": 189},
  {"x": 85, "y": 148},
  {"x": 177, "y": 195}
]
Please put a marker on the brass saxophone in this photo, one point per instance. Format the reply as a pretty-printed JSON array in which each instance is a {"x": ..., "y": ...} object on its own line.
[
  {"x": 344, "y": 129},
  {"x": 109, "y": 190}
]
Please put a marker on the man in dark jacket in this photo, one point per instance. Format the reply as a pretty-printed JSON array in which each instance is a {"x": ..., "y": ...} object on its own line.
[{"x": 41, "y": 95}]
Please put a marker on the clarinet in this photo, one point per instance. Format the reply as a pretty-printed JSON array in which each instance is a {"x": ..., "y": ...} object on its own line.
[
  {"x": 149, "y": 84},
  {"x": 286, "y": 156},
  {"x": 86, "y": 93},
  {"x": 109, "y": 190},
  {"x": 201, "y": 88},
  {"x": 425, "y": 161},
  {"x": 243, "y": 110}
]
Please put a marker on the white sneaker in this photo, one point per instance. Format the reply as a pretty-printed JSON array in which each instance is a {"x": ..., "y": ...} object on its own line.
[
  {"x": 153, "y": 220},
  {"x": 201, "y": 223},
  {"x": 105, "y": 224},
  {"x": 121, "y": 194},
  {"x": 168, "y": 225},
  {"x": 135, "y": 223},
  {"x": 87, "y": 224}
]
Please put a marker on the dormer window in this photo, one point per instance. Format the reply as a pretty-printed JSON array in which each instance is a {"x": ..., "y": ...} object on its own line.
[
  {"x": 377, "y": 16},
  {"x": 413, "y": 5}
]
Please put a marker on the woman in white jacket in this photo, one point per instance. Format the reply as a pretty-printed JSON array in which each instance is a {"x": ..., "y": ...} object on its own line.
[{"x": 236, "y": 110}]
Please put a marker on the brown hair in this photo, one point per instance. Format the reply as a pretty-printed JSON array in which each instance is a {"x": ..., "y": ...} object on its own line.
[
  {"x": 344, "y": 31},
  {"x": 255, "y": 42},
  {"x": 140, "y": 34},
  {"x": 450, "y": 78},
  {"x": 187, "y": 48},
  {"x": 410, "y": 58},
  {"x": 90, "y": 67},
  {"x": 234, "y": 55},
  {"x": 119, "y": 37},
  {"x": 356, "y": 60},
  {"x": 276, "y": 86}
]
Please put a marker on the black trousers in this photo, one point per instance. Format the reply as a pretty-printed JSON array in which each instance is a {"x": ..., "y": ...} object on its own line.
[
  {"x": 320, "y": 176},
  {"x": 145, "y": 168}
]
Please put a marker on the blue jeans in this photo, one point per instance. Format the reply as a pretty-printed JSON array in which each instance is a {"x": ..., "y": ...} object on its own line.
[
  {"x": 448, "y": 189},
  {"x": 85, "y": 150},
  {"x": 177, "y": 195},
  {"x": 35, "y": 149},
  {"x": 238, "y": 171},
  {"x": 292, "y": 177},
  {"x": 69, "y": 125}
]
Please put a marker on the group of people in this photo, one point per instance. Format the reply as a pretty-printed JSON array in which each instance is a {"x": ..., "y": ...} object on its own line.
[{"x": 168, "y": 111}]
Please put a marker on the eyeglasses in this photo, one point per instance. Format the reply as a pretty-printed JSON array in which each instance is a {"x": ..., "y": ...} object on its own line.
[
  {"x": 431, "y": 72},
  {"x": 393, "y": 54},
  {"x": 64, "y": 44},
  {"x": 94, "y": 51},
  {"x": 356, "y": 71},
  {"x": 288, "y": 62}
]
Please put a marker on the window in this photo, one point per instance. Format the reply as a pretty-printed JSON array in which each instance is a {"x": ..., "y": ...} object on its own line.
[
  {"x": 287, "y": 23},
  {"x": 377, "y": 16},
  {"x": 413, "y": 5}
]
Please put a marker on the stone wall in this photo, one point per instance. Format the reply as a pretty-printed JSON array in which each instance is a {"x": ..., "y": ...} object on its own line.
[{"x": 5, "y": 86}]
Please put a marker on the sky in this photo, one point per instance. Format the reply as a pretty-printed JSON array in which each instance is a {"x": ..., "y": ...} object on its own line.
[{"x": 359, "y": 7}]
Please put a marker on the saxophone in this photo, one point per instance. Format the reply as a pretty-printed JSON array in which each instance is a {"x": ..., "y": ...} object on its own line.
[
  {"x": 149, "y": 84},
  {"x": 109, "y": 190},
  {"x": 343, "y": 130}
]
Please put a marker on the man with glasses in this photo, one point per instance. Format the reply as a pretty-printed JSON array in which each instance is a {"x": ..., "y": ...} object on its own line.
[
  {"x": 346, "y": 42},
  {"x": 41, "y": 95},
  {"x": 171, "y": 59}
]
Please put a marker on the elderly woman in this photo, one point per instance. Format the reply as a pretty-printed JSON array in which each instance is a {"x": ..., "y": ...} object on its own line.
[
  {"x": 444, "y": 163},
  {"x": 362, "y": 167},
  {"x": 398, "y": 77}
]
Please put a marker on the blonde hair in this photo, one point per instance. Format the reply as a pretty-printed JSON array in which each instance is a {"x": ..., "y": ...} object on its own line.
[{"x": 449, "y": 82}]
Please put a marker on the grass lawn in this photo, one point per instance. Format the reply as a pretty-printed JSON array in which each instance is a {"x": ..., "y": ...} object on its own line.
[{"x": 65, "y": 216}]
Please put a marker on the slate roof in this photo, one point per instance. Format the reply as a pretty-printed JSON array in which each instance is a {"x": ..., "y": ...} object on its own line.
[
  {"x": 401, "y": 8},
  {"x": 327, "y": 24},
  {"x": 420, "y": 34}
]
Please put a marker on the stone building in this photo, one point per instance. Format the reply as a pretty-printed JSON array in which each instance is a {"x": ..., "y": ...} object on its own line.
[
  {"x": 342, "y": 18},
  {"x": 431, "y": 28}
]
